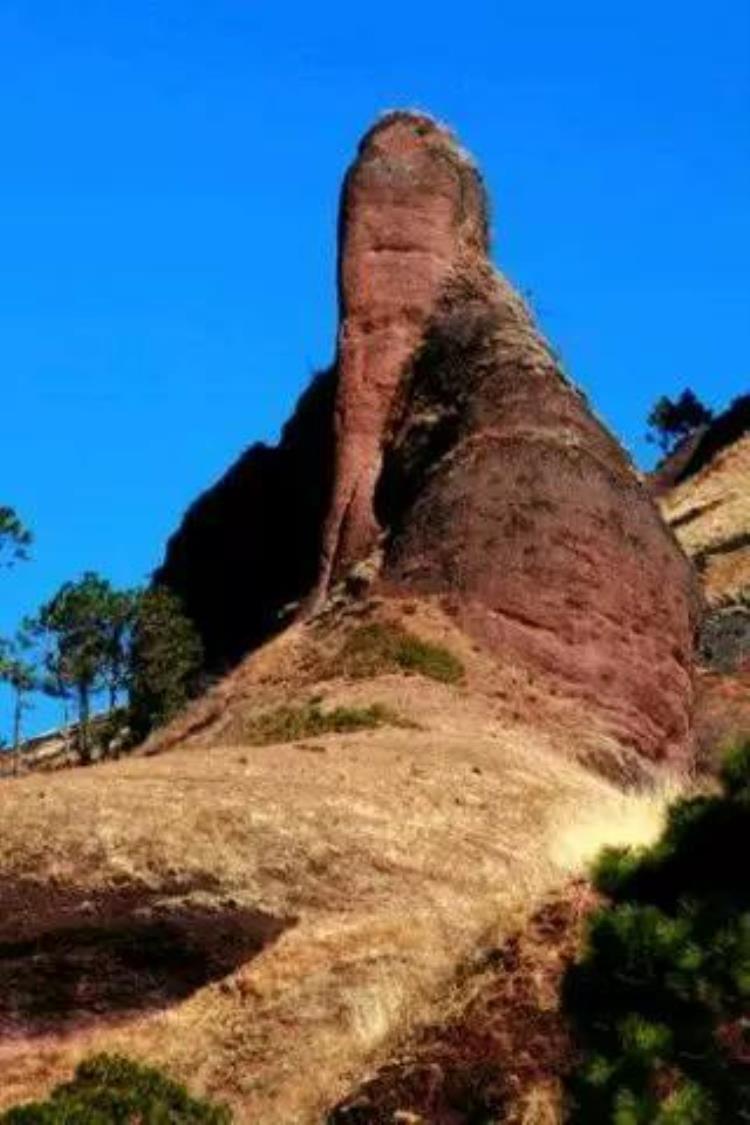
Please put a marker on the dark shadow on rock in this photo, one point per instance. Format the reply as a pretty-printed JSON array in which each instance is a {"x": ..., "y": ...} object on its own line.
[{"x": 248, "y": 549}]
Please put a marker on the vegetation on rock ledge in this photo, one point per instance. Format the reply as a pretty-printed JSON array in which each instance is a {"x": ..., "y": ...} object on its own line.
[
  {"x": 286, "y": 724},
  {"x": 374, "y": 649}
]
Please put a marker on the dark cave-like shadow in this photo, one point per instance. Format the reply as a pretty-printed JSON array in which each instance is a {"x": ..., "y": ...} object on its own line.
[{"x": 107, "y": 970}]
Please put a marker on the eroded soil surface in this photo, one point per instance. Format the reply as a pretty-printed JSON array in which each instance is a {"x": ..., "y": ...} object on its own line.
[{"x": 504, "y": 1049}]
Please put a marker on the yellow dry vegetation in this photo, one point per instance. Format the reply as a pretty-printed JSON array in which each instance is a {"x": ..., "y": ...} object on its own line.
[{"x": 389, "y": 854}]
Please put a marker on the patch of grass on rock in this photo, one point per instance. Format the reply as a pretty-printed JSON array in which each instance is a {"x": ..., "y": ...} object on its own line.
[
  {"x": 371, "y": 650},
  {"x": 287, "y": 723}
]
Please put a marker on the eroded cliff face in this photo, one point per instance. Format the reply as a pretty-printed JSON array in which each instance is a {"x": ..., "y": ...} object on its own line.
[
  {"x": 504, "y": 492},
  {"x": 448, "y": 437}
]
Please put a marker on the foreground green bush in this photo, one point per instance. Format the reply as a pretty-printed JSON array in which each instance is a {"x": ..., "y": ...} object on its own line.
[
  {"x": 660, "y": 1000},
  {"x": 110, "y": 1089}
]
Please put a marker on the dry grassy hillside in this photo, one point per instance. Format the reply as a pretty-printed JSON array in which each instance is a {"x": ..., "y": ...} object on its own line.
[{"x": 267, "y": 920}]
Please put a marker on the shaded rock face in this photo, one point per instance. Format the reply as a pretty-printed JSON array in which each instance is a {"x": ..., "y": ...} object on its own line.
[
  {"x": 412, "y": 207},
  {"x": 249, "y": 548},
  {"x": 448, "y": 436},
  {"x": 503, "y": 491}
]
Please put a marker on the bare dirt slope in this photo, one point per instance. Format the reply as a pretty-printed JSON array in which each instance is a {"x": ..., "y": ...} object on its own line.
[
  {"x": 266, "y": 921},
  {"x": 501, "y": 1048}
]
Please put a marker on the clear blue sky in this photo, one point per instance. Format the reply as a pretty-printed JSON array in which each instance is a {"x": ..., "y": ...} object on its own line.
[{"x": 168, "y": 196}]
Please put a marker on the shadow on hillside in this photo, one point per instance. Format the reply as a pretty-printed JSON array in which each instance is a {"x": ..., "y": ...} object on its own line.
[{"x": 110, "y": 969}]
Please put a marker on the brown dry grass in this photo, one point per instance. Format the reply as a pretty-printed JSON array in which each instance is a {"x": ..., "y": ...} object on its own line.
[
  {"x": 391, "y": 853},
  {"x": 501, "y": 1048}
]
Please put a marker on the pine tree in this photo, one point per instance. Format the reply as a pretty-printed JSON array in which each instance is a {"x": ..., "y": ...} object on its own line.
[
  {"x": 671, "y": 421},
  {"x": 15, "y": 539},
  {"x": 18, "y": 671},
  {"x": 76, "y": 627},
  {"x": 165, "y": 660},
  {"x": 660, "y": 1000}
]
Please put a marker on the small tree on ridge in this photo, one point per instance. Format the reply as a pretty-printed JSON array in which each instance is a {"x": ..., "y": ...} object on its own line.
[{"x": 670, "y": 421}]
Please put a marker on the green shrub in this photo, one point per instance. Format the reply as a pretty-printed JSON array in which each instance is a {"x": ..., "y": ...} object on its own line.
[
  {"x": 165, "y": 660},
  {"x": 373, "y": 649},
  {"x": 111, "y": 1090},
  {"x": 735, "y": 770},
  {"x": 287, "y": 724},
  {"x": 660, "y": 998}
]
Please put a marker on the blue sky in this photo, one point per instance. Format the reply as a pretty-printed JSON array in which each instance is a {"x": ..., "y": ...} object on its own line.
[{"x": 168, "y": 200}]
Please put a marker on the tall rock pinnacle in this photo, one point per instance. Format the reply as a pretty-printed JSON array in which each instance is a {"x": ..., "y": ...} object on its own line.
[
  {"x": 447, "y": 435},
  {"x": 459, "y": 438},
  {"x": 413, "y": 206}
]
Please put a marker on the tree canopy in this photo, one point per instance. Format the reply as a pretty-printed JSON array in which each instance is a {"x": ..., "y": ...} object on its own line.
[
  {"x": 76, "y": 627},
  {"x": 18, "y": 671},
  {"x": 15, "y": 539},
  {"x": 92, "y": 640},
  {"x": 660, "y": 999},
  {"x": 672, "y": 420},
  {"x": 165, "y": 660}
]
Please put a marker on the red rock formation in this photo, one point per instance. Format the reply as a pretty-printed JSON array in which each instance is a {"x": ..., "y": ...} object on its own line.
[
  {"x": 505, "y": 493},
  {"x": 411, "y": 207},
  {"x": 460, "y": 444}
]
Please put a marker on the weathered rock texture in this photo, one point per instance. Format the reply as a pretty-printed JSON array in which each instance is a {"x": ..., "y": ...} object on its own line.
[
  {"x": 455, "y": 443},
  {"x": 413, "y": 206},
  {"x": 503, "y": 491}
]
